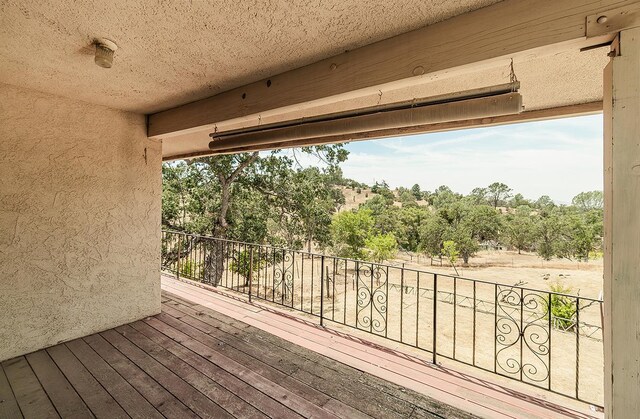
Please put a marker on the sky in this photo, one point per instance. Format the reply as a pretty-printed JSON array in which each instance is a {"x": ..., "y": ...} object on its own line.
[{"x": 559, "y": 158}]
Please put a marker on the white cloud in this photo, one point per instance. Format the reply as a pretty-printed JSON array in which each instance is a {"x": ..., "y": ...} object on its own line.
[{"x": 556, "y": 158}]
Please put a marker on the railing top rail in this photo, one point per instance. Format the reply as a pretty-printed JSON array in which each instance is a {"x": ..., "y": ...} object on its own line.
[{"x": 407, "y": 269}]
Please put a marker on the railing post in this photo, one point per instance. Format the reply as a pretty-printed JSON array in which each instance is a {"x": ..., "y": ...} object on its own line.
[
  {"x": 435, "y": 316},
  {"x": 322, "y": 291},
  {"x": 179, "y": 255},
  {"x": 250, "y": 271}
]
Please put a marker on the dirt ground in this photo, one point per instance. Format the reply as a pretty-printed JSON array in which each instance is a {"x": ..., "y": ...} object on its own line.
[{"x": 525, "y": 270}]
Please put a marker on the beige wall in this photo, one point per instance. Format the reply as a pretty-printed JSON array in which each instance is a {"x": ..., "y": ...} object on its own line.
[{"x": 80, "y": 190}]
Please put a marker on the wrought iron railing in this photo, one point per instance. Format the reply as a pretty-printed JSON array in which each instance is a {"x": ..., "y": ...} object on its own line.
[{"x": 546, "y": 339}]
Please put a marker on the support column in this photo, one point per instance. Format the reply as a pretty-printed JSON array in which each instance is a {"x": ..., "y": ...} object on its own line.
[{"x": 622, "y": 228}]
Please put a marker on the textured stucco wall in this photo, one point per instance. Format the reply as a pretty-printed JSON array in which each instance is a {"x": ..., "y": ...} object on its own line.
[{"x": 80, "y": 191}]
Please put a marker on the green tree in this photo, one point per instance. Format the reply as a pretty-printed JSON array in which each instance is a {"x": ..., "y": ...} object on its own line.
[
  {"x": 466, "y": 244},
  {"x": 417, "y": 193},
  {"x": 409, "y": 220},
  {"x": 563, "y": 309},
  {"x": 383, "y": 190},
  {"x": 377, "y": 204},
  {"x": 468, "y": 225},
  {"x": 432, "y": 232},
  {"x": 478, "y": 196},
  {"x": 586, "y": 201},
  {"x": 520, "y": 228},
  {"x": 451, "y": 252},
  {"x": 497, "y": 193},
  {"x": 350, "y": 231},
  {"x": 443, "y": 196},
  {"x": 381, "y": 247},
  {"x": 407, "y": 198},
  {"x": 240, "y": 196},
  {"x": 552, "y": 234},
  {"x": 544, "y": 202},
  {"x": 518, "y": 200}
]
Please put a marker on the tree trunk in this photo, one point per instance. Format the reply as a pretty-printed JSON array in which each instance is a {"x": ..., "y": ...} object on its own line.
[
  {"x": 217, "y": 253},
  {"x": 218, "y": 249},
  {"x": 214, "y": 262}
]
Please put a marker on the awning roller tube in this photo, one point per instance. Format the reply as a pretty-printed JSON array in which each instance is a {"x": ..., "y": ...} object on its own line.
[{"x": 482, "y": 107}]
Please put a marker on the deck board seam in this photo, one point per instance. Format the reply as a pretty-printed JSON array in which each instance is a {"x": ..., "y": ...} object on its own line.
[
  {"x": 116, "y": 372},
  {"x": 42, "y": 386},
  {"x": 146, "y": 375},
  {"x": 65, "y": 377}
]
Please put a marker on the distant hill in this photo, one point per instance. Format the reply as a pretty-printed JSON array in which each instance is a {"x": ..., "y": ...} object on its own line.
[{"x": 354, "y": 197}]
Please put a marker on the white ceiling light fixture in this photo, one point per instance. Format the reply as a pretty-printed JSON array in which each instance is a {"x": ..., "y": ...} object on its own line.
[
  {"x": 104, "y": 52},
  {"x": 486, "y": 102}
]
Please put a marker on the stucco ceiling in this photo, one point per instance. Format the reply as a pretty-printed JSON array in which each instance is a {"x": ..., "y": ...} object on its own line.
[{"x": 172, "y": 53}]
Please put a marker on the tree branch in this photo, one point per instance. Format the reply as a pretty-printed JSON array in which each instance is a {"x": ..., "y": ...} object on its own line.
[{"x": 251, "y": 159}]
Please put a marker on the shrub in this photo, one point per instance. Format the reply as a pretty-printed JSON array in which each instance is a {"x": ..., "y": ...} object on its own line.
[
  {"x": 563, "y": 308},
  {"x": 189, "y": 269},
  {"x": 381, "y": 247},
  {"x": 241, "y": 263}
]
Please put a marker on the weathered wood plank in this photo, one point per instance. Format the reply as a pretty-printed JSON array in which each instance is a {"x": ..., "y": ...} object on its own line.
[
  {"x": 292, "y": 393},
  {"x": 252, "y": 395},
  {"x": 31, "y": 397},
  {"x": 8, "y": 404},
  {"x": 131, "y": 401},
  {"x": 284, "y": 364},
  {"x": 217, "y": 393},
  {"x": 196, "y": 401},
  {"x": 64, "y": 397},
  {"x": 160, "y": 398},
  {"x": 346, "y": 403},
  {"x": 100, "y": 402}
]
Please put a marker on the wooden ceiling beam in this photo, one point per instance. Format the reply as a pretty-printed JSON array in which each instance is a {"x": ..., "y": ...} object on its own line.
[
  {"x": 502, "y": 30},
  {"x": 589, "y": 108}
]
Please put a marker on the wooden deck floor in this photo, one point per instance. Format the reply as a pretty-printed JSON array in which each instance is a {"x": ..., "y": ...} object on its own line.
[{"x": 191, "y": 362}]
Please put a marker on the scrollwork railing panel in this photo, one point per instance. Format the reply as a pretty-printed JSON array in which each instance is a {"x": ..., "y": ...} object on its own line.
[
  {"x": 523, "y": 339},
  {"x": 372, "y": 298}
]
